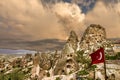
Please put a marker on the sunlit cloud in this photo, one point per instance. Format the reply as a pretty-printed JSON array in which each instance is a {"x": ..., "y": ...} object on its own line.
[
  {"x": 29, "y": 20},
  {"x": 107, "y": 17}
]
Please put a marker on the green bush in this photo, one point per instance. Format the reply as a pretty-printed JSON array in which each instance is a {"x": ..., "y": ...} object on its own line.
[
  {"x": 82, "y": 72},
  {"x": 118, "y": 55},
  {"x": 115, "y": 57},
  {"x": 111, "y": 57},
  {"x": 15, "y": 75},
  {"x": 58, "y": 78}
]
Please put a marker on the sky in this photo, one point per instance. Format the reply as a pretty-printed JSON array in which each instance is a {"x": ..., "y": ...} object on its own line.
[{"x": 45, "y": 24}]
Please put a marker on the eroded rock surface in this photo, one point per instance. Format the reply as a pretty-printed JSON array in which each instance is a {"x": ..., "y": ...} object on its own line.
[{"x": 93, "y": 38}]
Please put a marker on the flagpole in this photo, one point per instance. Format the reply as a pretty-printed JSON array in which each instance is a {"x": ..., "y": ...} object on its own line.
[
  {"x": 105, "y": 68},
  {"x": 94, "y": 73},
  {"x": 94, "y": 68}
]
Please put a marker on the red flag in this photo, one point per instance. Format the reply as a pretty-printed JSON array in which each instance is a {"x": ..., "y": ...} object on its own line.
[{"x": 98, "y": 56}]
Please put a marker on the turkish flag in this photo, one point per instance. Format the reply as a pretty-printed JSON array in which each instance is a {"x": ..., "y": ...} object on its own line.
[{"x": 98, "y": 56}]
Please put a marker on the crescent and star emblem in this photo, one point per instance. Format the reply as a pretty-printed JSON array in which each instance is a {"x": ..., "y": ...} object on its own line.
[{"x": 100, "y": 57}]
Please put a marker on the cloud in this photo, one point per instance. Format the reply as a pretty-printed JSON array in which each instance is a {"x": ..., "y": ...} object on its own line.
[
  {"x": 70, "y": 16},
  {"x": 26, "y": 23},
  {"x": 107, "y": 17},
  {"x": 117, "y": 8},
  {"x": 42, "y": 45},
  {"x": 29, "y": 20}
]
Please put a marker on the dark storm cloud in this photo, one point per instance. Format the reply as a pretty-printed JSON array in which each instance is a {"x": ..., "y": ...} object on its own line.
[
  {"x": 47, "y": 44},
  {"x": 42, "y": 45}
]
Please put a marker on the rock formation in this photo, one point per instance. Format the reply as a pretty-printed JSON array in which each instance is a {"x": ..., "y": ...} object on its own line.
[
  {"x": 71, "y": 45},
  {"x": 94, "y": 38},
  {"x": 67, "y": 64},
  {"x": 45, "y": 61},
  {"x": 36, "y": 68}
]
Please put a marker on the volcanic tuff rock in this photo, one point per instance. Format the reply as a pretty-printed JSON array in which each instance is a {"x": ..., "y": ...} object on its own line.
[
  {"x": 36, "y": 68},
  {"x": 67, "y": 64},
  {"x": 94, "y": 38},
  {"x": 71, "y": 45}
]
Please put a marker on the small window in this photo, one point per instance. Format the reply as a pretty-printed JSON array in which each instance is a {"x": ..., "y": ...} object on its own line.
[
  {"x": 68, "y": 66},
  {"x": 69, "y": 60},
  {"x": 63, "y": 71},
  {"x": 70, "y": 55}
]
